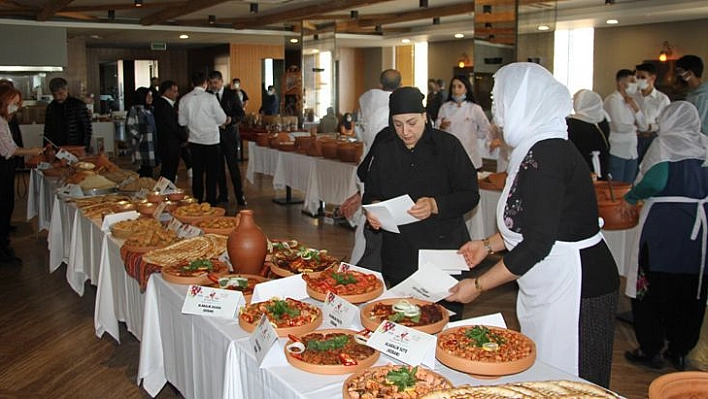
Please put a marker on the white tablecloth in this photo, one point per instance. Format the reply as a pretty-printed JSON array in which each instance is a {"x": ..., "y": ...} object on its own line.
[
  {"x": 481, "y": 222},
  {"x": 40, "y": 197},
  {"x": 118, "y": 296},
  {"x": 210, "y": 358},
  {"x": 263, "y": 160},
  {"x": 333, "y": 181},
  {"x": 296, "y": 171}
]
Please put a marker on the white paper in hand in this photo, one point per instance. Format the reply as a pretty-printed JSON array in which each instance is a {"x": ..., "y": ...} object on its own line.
[
  {"x": 446, "y": 259},
  {"x": 289, "y": 287},
  {"x": 393, "y": 213},
  {"x": 429, "y": 283}
]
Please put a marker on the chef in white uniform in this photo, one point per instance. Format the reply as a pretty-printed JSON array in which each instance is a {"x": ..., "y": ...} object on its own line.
[{"x": 547, "y": 220}]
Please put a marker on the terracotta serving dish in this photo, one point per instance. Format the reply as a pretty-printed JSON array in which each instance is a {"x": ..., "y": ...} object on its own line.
[
  {"x": 194, "y": 219},
  {"x": 262, "y": 139},
  {"x": 222, "y": 231},
  {"x": 372, "y": 325},
  {"x": 303, "y": 143},
  {"x": 491, "y": 369},
  {"x": 315, "y": 149},
  {"x": 683, "y": 385},
  {"x": 139, "y": 250},
  {"x": 147, "y": 208},
  {"x": 287, "y": 146},
  {"x": 616, "y": 216},
  {"x": 203, "y": 279},
  {"x": 330, "y": 369},
  {"x": 350, "y": 151},
  {"x": 284, "y": 332},
  {"x": 177, "y": 195},
  {"x": 353, "y": 377},
  {"x": 360, "y": 298},
  {"x": 329, "y": 149},
  {"x": 279, "y": 271},
  {"x": 619, "y": 189},
  {"x": 78, "y": 150},
  {"x": 155, "y": 197},
  {"x": 495, "y": 182}
]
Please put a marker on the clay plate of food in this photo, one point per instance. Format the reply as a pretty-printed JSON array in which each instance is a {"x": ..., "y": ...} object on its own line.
[
  {"x": 195, "y": 272},
  {"x": 237, "y": 282},
  {"x": 301, "y": 260},
  {"x": 223, "y": 225},
  {"x": 150, "y": 239},
  {"x": 485, "y": 351},
  {"x": 682, "y": 385},
  {"x": 423, "y": 316},
  {"x": 393, "y": 381},
  {"x": 288, "y": 316},
  {"x": 330, "y": 352},
  {"x": 194, "y": 213},
  {"x": 355, "y": 287}
]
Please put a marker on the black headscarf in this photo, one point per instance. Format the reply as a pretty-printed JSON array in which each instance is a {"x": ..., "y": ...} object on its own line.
[{"x": 406, "y": 100}]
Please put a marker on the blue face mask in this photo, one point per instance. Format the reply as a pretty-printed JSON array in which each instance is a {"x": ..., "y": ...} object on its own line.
[{"x": 459, "y": 99}]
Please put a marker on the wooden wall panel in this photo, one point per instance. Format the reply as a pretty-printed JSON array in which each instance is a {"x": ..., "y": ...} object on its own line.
[
  {"x": 351, "y": 78},
  {"x": 246, "y": 65},
  {"x": 405, "y": 65}
]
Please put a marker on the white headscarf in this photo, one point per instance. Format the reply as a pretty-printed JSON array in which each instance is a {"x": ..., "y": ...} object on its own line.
[
  {"x": 588, "y": 107},
  {"x": 530, "y": 105},
  {"x": 679, "y": 138}
]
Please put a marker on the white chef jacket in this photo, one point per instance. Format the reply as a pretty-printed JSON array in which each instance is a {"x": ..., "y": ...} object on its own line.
[
  {"x": 374, "y": 114},
  {"x": 202, "y": 114},
  {"x": 468, "y": 123},
  {"x": 623, "y": 126},
  {"x": 651, "y": 106}
]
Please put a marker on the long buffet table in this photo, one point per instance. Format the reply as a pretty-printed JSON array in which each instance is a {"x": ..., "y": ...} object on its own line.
[{"x": 202, "y": 357}]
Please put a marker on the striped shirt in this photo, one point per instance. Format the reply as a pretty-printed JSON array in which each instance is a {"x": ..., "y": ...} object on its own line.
[{"x": 7, "y": 144}]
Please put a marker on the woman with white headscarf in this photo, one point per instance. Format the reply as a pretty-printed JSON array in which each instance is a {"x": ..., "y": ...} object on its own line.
[
  {"x": 667, "y": 283},
  {"x": 589, "y": 130},
  {"x": 547, "y": 219}
]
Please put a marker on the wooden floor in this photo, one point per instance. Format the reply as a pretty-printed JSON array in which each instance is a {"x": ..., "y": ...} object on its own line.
[{"x": 47, "y": 343}]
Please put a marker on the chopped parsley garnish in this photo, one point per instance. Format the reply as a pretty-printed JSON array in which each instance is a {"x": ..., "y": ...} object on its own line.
[
  {"x": 481, "y": 335},
  {"x": 280, "y": 308},
  {"x": 328, "y": 344},
  {"x": 199, "y": 264},
  {"x": 398, "y": 316},
  {"x": 344, "y": 278},
  {"x": 402, "y": 378}
]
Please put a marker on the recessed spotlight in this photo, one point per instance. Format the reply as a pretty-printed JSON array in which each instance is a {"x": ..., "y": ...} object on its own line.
[
  {"x": 459, "y": 35},
  {"x": 253, "y": 8},
  {"x": 294, "y": 40},
  {"x": 405, "y": 41},
  {"x": 183, "y": 36},
  {"x": 138, "y": 3},
  {"x": 543, "y": 27},
  {"x": 212, "y": 19},
  {"x": 612, "y": 22},
  {"x": 315, "y": 51},
  {"x": 95, "y": 37}
]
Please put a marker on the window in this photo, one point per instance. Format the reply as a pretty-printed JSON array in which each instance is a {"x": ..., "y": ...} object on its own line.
[{"x": 573, "y": 58}]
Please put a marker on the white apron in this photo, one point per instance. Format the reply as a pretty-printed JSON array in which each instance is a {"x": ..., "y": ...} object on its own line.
[
  {"x": 701, "y": 222},
  {"x": 548, "y": 303}
]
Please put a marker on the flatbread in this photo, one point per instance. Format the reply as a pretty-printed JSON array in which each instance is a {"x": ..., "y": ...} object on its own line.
[
  {"x": 527, "y": 390},
  {"x": 202, "y": 247}
]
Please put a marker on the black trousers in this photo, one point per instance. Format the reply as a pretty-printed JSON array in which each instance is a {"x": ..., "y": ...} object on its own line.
[
  {"x": 205, "y": 159},
  {"x": 7, "y": 198},
  {"x": 170, "y": 163},
  {"x": 597, "y": 336},
  {"x": 229, "y": 151},
  {"x": 669, "y": 311},
  {"x": 186, "y": 155}
]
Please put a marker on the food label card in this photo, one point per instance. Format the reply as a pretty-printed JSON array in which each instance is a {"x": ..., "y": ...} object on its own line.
[
  {"x": 159, "y": 209},
  {"x": 71, "y": 190},
  {"x": 429, "y": 283},
  {"x": 265, "y": 344},
  {"x": 291, "y": 287},
  {"x": 212, "y": 302},
  {"x": 189, "y": 231},
  {"x": 404, "y": 344},
  {"x": 174, "y": 225},
  {"x": 142, "y": 193},
  {"x": 164, "y": 186},
  {"x": 67, "y": 156},
  {"x": 118, "y": 217},
  {"x": 338, "y": 312}
]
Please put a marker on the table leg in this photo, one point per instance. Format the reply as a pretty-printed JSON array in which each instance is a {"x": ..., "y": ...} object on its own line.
[{"x": 289, "y": 199}]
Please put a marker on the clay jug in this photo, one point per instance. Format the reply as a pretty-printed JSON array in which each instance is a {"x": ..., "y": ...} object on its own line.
[{"x": 247, "y": 245}]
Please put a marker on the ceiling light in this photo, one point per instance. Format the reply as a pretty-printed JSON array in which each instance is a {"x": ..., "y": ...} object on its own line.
[
  {"x": 183, "y": 36},
  {"x": 212, "y": 19},
  {"x": 315, "y": 51},
  {"x": 666, "y": 52},
  {"x": 609, "y": 2},
  {"x": 354, "y": 14},
  {"x": 405, "y": 41},
  {"x": 543, "y": 27},
  {"x": 459, "y": 35},
  {"x": 111, "y": 14},
  {"x": 95, "y": 37},
  {"x": 612, "y": 22},
  {"x": 254, "y": 8},
  {"x": 423, "y": 3},
  {"x": 436, "y": 21},
  {"x": 138, "y": 3},
  {"x": 294, "y": 40}
]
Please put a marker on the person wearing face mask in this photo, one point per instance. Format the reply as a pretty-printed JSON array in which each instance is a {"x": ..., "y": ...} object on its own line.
[
  {"x": 689, "y": 69},
  {"x": 464, "y": 119},
  {"x": 242, "y": 95},
  {"x": 652, "y": 102},
  {"x": 10, "y": 102},
  {"x": 271, "y": 104},
  {"x": 625, "y": 118},
  {"x": 346, "y": 125},
  {"x": 547, "y": 220}
]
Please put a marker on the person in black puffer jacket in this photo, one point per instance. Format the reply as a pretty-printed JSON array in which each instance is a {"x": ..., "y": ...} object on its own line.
[{"x": 67, "y": 119}]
